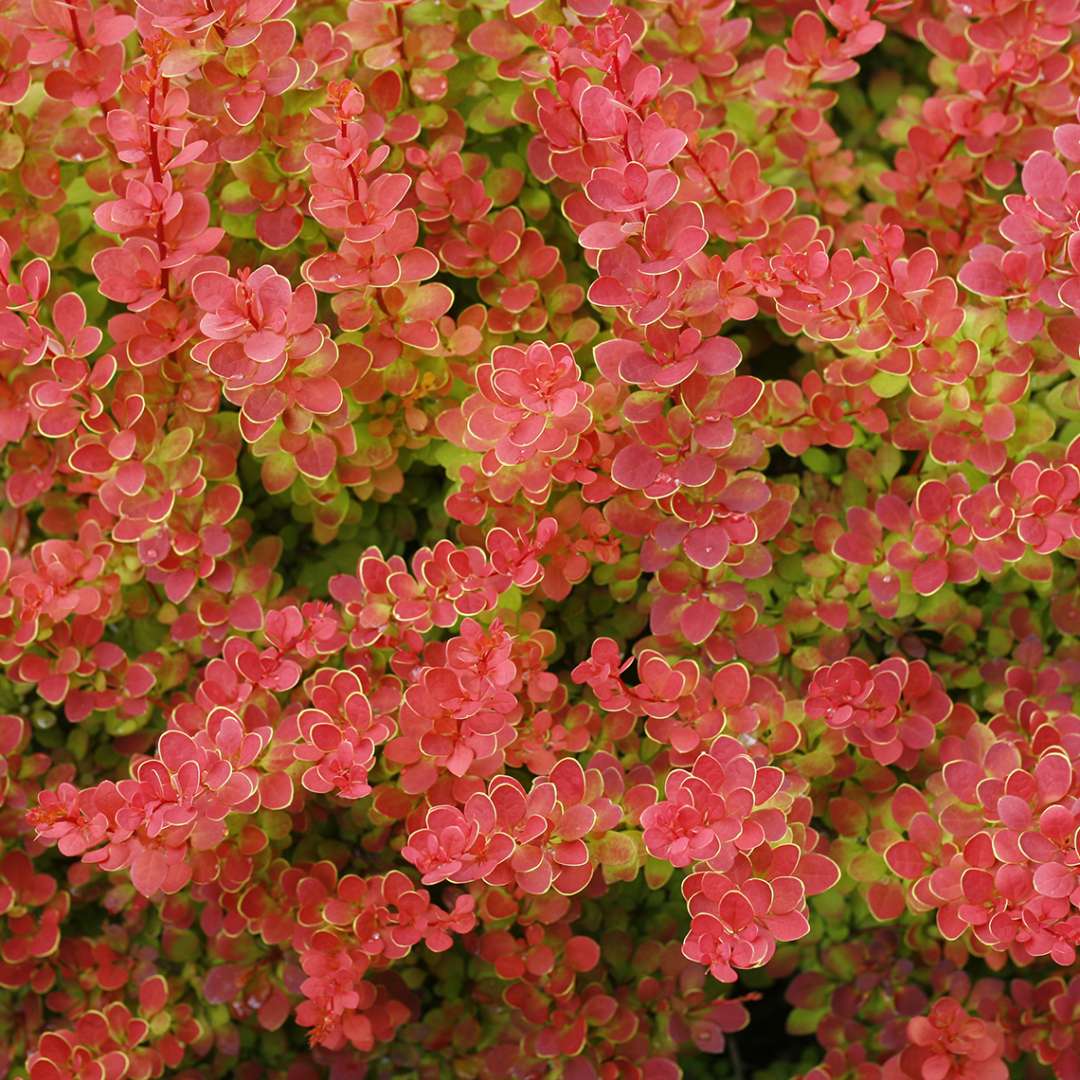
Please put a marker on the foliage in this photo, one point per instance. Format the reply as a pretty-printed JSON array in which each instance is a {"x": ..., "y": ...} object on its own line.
[{"x": 540, "y": 539}]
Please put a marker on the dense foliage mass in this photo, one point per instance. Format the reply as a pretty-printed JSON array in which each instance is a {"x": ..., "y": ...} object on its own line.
[{"x": 539, "y": 540}]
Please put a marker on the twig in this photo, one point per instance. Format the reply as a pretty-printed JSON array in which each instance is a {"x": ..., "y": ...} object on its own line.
[{"x": 736, "y": 1061}]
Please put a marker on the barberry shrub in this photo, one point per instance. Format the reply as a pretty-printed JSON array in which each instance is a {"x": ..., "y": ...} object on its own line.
[{"x": 539, "y": 540}]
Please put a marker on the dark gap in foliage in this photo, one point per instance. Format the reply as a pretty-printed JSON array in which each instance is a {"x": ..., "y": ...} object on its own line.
[
  {"x": 465, "y": 290},
  {"x": 774, "y": 360},
  {"x": 766, "y": 1041},
  {"x": 592, "y": 607}
]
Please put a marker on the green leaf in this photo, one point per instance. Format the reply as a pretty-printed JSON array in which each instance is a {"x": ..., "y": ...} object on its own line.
[
  {"x": 657, "y": 872},
  {"x": 239, "y": 225},
  {"x": 620, "y": 855},
  {"x": 11, "y": 151},
  {"x": 886, "y": 385},
  {"x": 804, "y": 1021}
]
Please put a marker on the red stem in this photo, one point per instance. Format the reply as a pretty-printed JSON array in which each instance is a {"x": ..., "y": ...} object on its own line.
[
  {"x": 155, "y": 170},
  {"x": 79, "y": 43}
]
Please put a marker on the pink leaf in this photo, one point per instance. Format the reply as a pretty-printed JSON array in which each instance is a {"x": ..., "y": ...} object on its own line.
[
  {"x": 635, "y": 467},
  {"x": 984, "y": 278},
  {"x": 708, "y": 546},
  {"x": 1044, "y": 176}
]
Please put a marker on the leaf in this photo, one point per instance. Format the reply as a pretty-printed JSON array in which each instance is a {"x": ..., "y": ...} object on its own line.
[
  {"x": 11, "y": 150},
  {"x": 498, "y": 39},
  {"x": 620, "y": 854}
]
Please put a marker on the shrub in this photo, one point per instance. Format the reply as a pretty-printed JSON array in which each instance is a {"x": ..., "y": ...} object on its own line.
[{"x": 540, "y": 539}]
